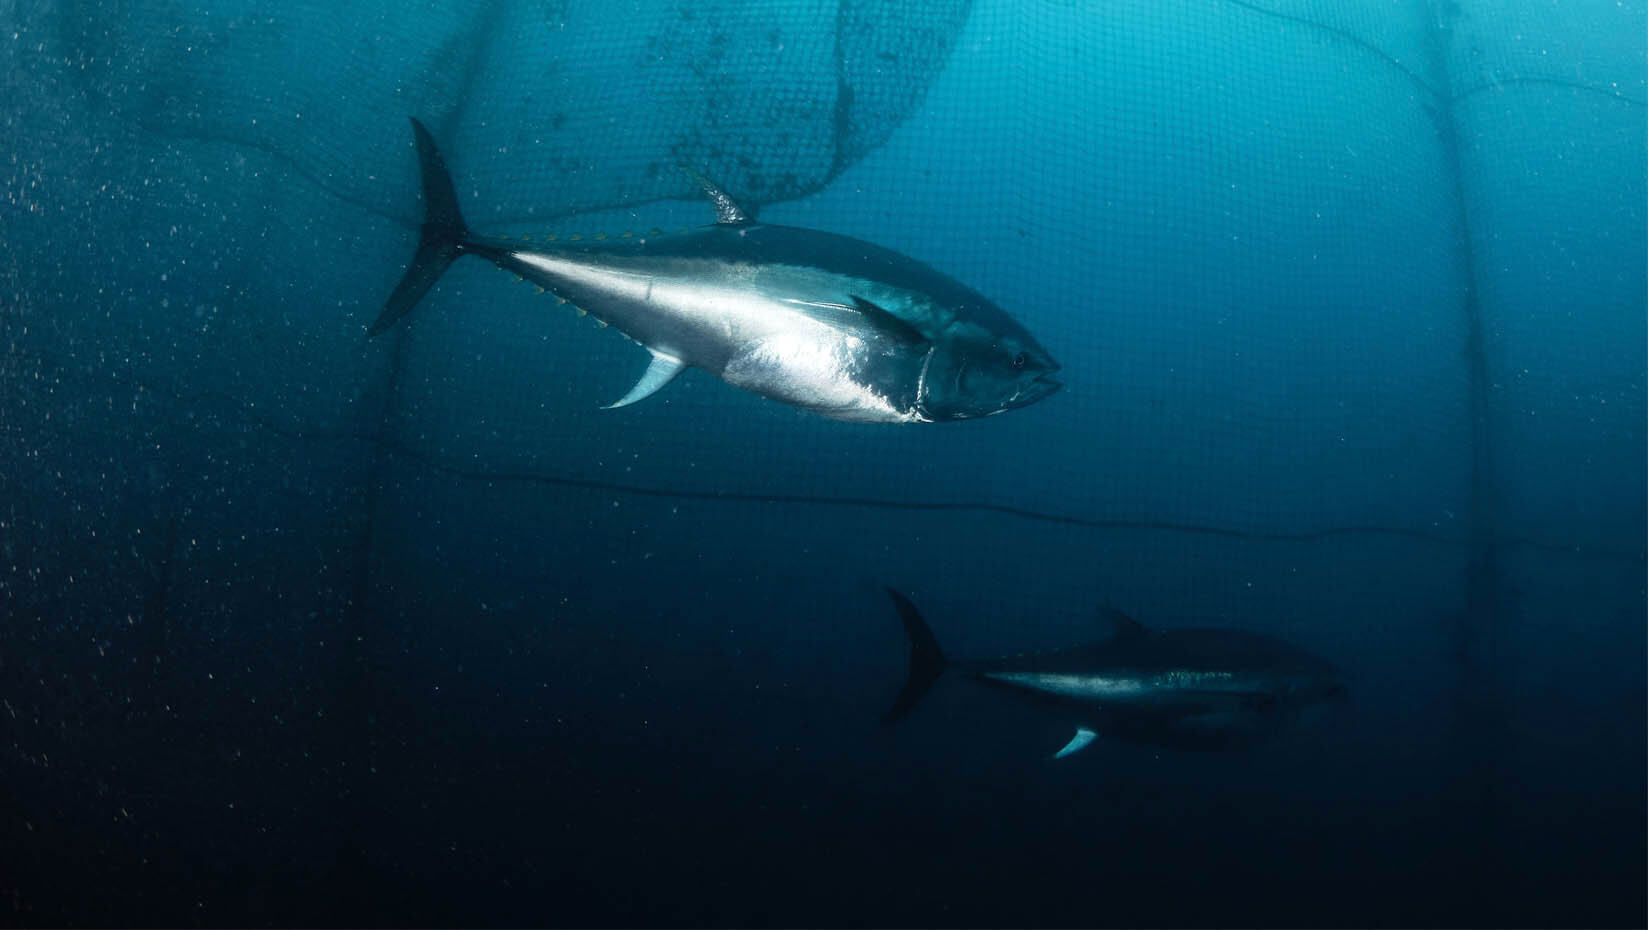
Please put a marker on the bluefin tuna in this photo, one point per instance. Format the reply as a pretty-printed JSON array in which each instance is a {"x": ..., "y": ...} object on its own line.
[
  {"x": 1181, "y": 688},
  {"x": 820, "y": 321}
]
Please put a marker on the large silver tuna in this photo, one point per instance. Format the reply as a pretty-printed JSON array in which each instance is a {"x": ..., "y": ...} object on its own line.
[{"x": 824, "y": 322}]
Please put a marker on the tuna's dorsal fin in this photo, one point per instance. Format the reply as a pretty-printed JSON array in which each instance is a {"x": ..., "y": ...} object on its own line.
[
  {"x": 1083, "y": 738},
  {"x": 660, "y": 372},
  {"x": 1125, "y": 627},
  {"x": 727, "y": 210}
]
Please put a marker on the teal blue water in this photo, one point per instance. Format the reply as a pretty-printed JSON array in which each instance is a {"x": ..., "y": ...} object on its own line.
[{"x": 299, "y": 627}]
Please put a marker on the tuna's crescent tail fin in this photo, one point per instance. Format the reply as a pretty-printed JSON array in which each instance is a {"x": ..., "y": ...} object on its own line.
[
  {"x": 442, "y": 238},
  {"x": 927, "y": 661}
]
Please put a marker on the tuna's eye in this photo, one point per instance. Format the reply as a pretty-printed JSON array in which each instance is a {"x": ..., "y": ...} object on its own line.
[{"x": 1019, "y": 361}]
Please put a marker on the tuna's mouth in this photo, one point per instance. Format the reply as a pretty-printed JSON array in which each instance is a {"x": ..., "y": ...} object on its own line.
[{"x": 1039, "y": 389}]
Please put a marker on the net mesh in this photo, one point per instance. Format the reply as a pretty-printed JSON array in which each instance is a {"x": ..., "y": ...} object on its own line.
[
  {"x": 1197, "y": 212},
  {"x": 606, "y": 100}
]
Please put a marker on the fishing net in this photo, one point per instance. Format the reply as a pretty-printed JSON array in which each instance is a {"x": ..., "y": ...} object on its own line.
[{"x": 605, "y": 101}]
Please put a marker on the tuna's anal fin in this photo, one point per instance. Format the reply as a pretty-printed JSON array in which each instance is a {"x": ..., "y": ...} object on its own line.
[
  {"x": 1083, "y": 738},
  {"x": 727, "y": 210},
  {"x": 660, "y": 372}
]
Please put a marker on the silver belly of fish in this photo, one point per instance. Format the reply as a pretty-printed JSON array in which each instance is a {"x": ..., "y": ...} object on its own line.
[
  {"x": 1118, "y": 688},
  {"x": 750, "y": 327}
]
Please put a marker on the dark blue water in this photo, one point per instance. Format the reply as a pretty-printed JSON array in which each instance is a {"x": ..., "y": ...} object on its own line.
[{"x": 302, "y": 628}]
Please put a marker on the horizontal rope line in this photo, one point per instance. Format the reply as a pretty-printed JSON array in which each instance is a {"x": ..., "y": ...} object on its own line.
[
  {"x": 1551, "y": 82},
  {"x": 1026, "y": 513},
  {"x": 395, "y": 447}
]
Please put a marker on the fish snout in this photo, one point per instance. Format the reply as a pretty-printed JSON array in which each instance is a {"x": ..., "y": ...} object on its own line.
[{"x": 1039, "y": 389}]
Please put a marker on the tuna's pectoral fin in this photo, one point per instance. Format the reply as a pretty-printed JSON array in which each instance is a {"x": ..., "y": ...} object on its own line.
[
  {"x": 1124, "y": 627},
  {"x": 660, "y": 372},
  {"x": 1077, "y": 743},
  {"x": 887, "y": 322}
]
